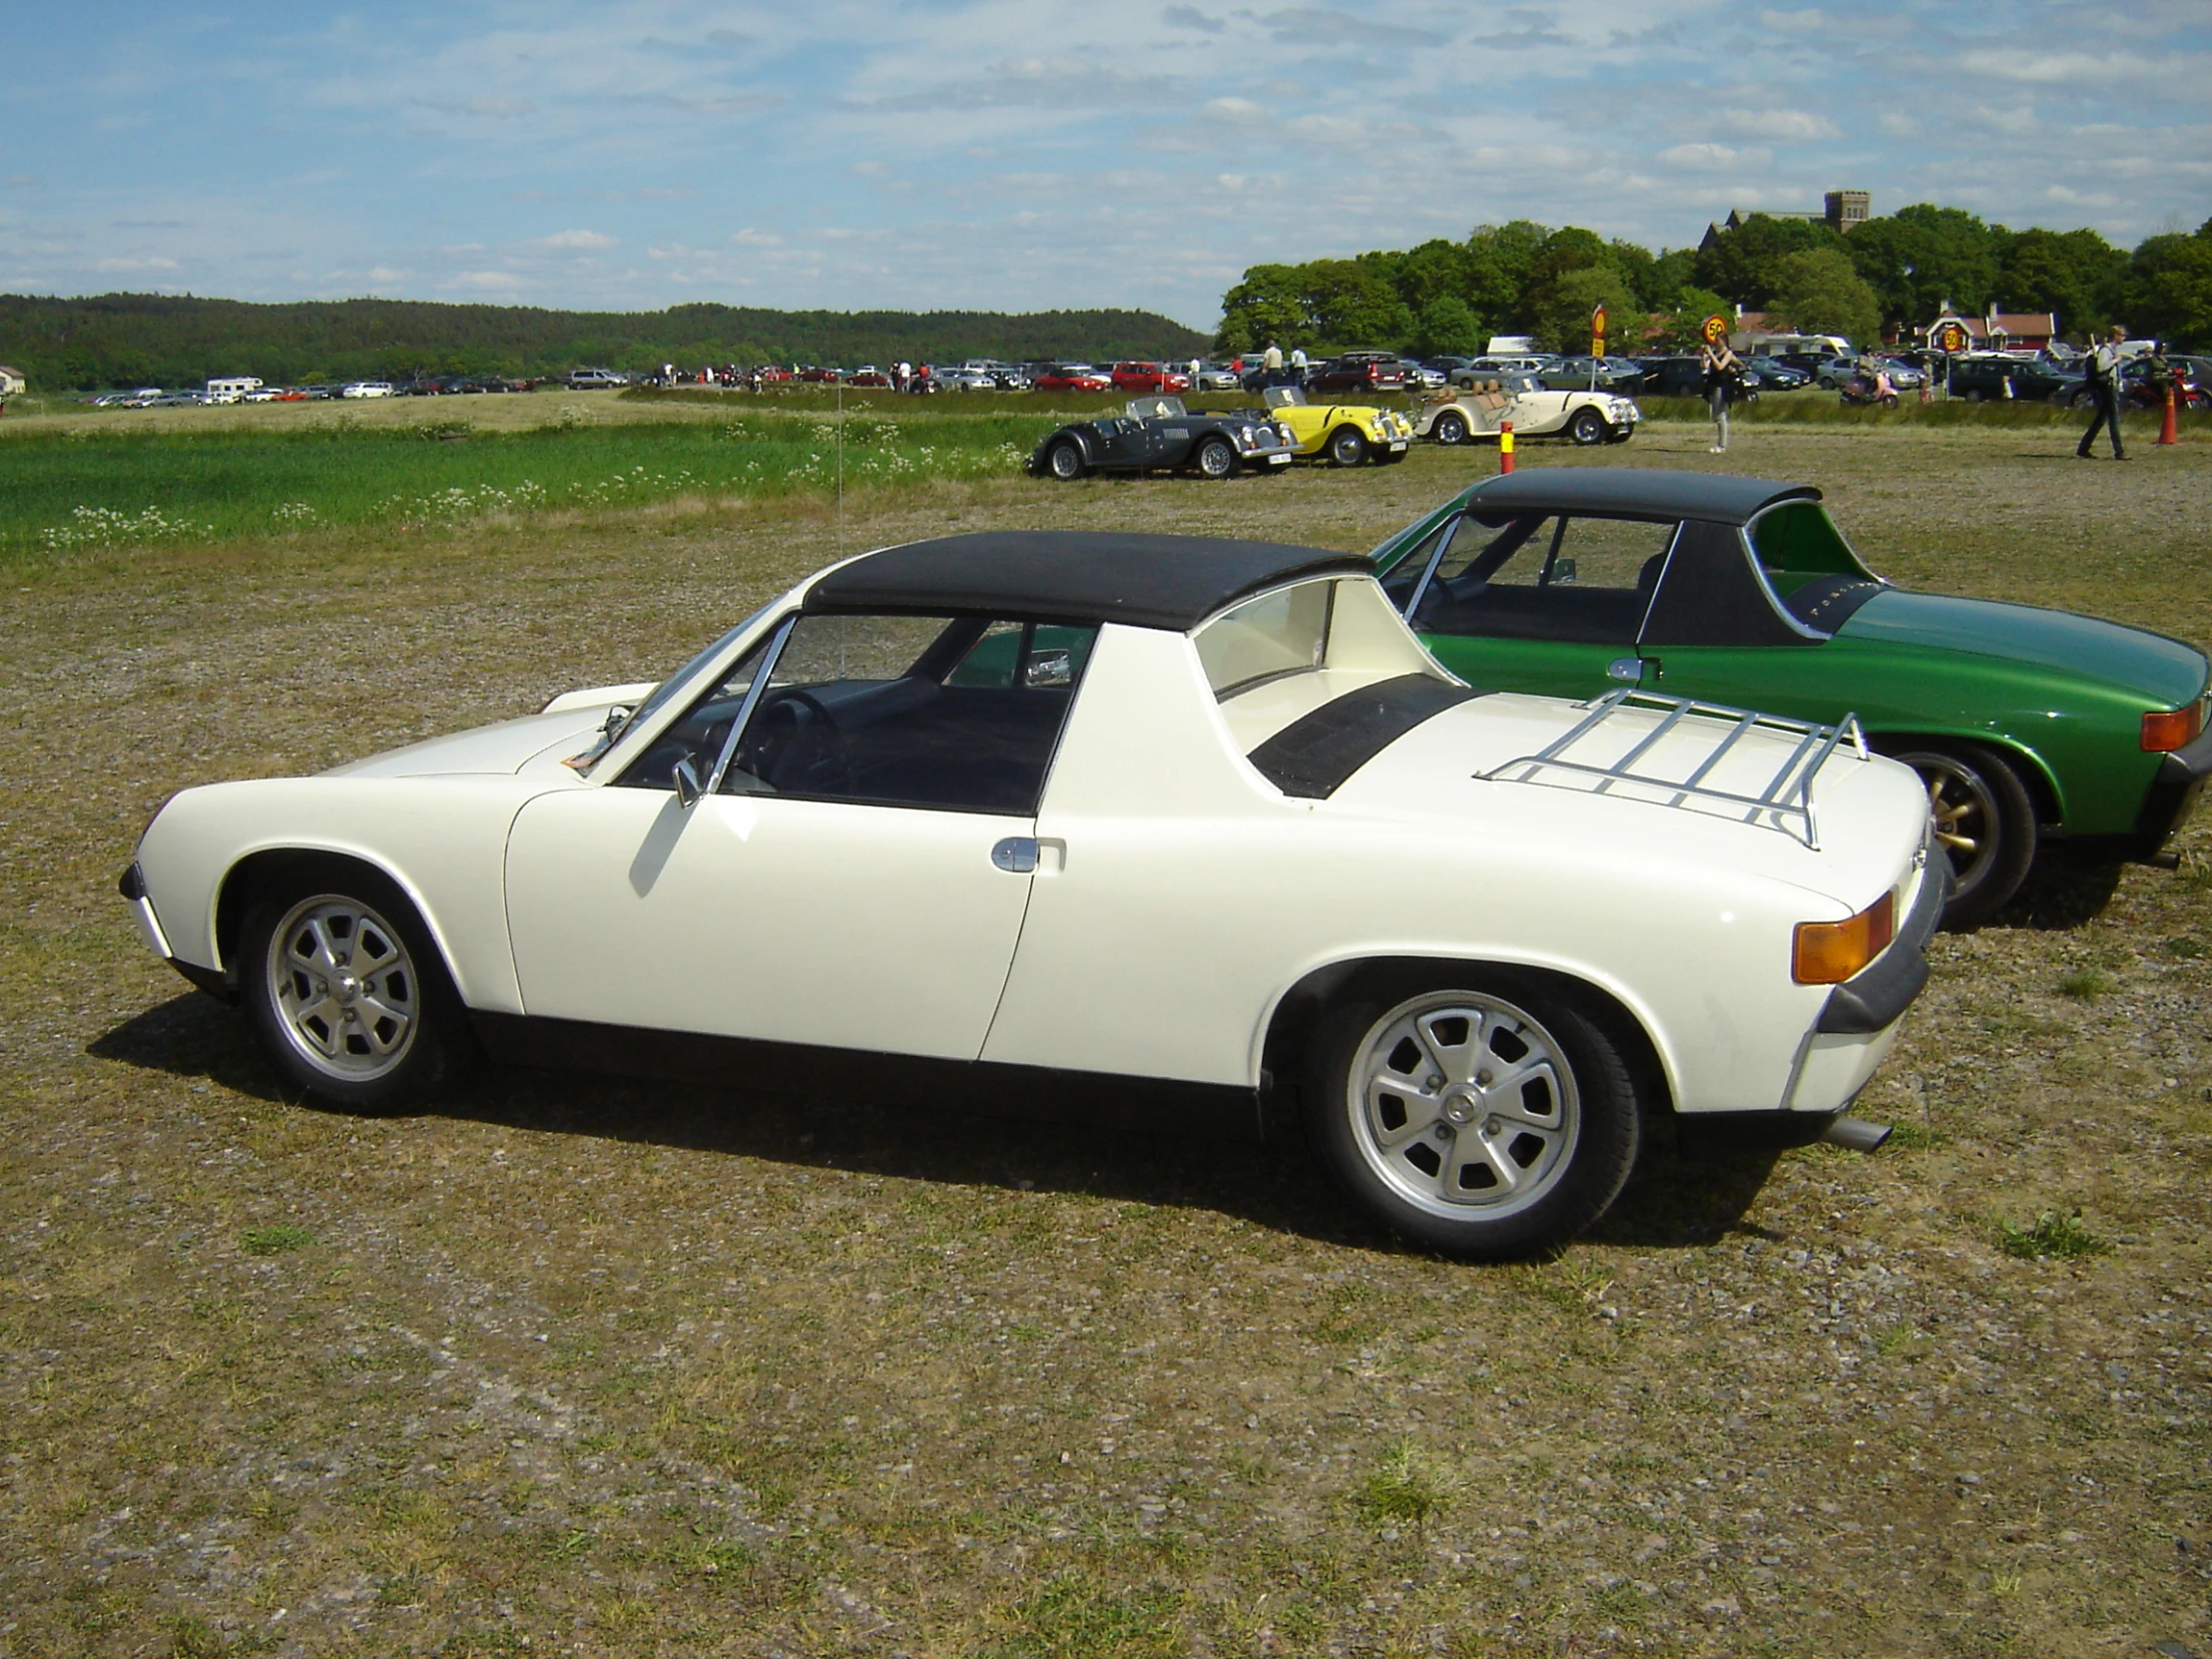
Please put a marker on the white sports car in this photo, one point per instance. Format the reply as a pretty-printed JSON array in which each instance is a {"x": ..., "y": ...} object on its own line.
[{"x": 1017, "y": 817}]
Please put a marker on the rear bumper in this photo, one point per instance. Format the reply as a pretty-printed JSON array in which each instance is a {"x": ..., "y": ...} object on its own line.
[
  {"x": 2174, "y": 792},
  {"x": 1877, "y": 997}
]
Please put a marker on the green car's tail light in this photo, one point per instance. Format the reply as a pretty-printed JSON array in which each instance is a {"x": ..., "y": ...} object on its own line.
[
  {"x": 1829, "y": 952},
  {"x": 2165, "y": 729}
]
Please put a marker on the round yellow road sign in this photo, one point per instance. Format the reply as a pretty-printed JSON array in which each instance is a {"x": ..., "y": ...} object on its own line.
[
  {"x": 1951, "y": 336},
  {"x": 1715, "y": 329}
]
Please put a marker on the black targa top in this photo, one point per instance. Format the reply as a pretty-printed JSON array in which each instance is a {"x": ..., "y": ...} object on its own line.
[
  {"x": 1172, "y": 582},
  {"x": 1631, "y": 493}
]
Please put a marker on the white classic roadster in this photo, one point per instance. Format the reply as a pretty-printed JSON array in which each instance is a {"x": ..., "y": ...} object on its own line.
[{"x": 1022, "y": 817}]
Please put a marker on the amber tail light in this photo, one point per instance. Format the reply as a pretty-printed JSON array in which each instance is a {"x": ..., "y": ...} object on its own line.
[
  {"x": 2165, "y": 729},
  {"x": 1829, "y": 952}
]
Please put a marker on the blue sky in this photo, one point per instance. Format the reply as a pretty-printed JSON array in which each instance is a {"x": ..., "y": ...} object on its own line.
[{"x": 1026, "y": 154}]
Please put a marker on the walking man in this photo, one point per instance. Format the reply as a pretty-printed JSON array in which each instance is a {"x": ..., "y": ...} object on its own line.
[{"x": 2104, "y": 389}]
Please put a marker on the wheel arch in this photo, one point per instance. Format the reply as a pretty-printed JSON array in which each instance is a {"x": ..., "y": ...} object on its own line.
[
  {"x": 260, "y": 869},
  {"x": 2033, "y": 770},
  {"x": 1298, "y": 1014}
]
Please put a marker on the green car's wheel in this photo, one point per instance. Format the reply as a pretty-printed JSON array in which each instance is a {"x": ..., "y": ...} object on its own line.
[
  {"x": 1473, "y": 1111},
  {"x": 1984, "y": 820},
  {"x": 1450, "y": 427},
  {"x": 1347, "y": 447}
]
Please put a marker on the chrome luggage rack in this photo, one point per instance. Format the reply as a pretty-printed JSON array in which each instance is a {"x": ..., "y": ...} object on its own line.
[{"x": 1784, "y": 802}]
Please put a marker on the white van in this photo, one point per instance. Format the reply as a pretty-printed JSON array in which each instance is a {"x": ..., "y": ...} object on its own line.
[
  {"x": 231, "y": 389},
  {"x": 1810, "y": 346}
]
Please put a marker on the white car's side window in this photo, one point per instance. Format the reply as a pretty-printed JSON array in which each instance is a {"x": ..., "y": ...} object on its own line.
[
  {"x": 1285, "y": 632},
  {"x": 956, "y": 713}
]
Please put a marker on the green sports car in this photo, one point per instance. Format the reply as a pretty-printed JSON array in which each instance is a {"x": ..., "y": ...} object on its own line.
[{"x": 2028, "y": 725}]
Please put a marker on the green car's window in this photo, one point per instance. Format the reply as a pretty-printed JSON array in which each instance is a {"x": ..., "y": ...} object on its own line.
[
  {"x": 1547, "y": 578},
  {"x": 1798, "y": 540}
]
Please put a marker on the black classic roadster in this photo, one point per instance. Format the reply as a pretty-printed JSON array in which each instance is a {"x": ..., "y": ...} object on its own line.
[{"x": 1158, "y": 433}]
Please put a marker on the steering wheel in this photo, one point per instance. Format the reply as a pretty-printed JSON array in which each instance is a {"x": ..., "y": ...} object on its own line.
[{"x": 794, "y": 745}]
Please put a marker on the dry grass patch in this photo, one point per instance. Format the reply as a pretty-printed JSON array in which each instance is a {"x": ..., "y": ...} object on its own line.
[{"x": 579, "y": 1365}]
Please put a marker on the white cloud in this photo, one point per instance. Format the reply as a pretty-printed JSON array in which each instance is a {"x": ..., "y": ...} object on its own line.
[
  {"x": 574, "y": 242},
  {"x": 135, "y": 265},
  {"x": 2017, "y": 63},
  {"x": 492, "y": 282},
  {"x": 1790, "y": 126},
  {"x": 1809, "y": 21},
  {"x": 1705, "y": 157},
  {"x": 1242, "y": 110}
]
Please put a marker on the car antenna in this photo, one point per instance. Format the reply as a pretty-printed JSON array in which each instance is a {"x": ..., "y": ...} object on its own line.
[{"x": 841, "y": 468}]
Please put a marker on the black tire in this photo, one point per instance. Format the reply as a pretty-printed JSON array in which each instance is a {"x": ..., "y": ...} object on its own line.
[
  {"x": 1216, "y": 458},
  {"x": 1423, "y": 1026},
  {"x": 1588, "y": 428},
  {"x": 385, "y": 1031},
  {"x": 1984, "y": 820},
  {"x": 1347, "y": 447},
  {"x": 1449, "y": 428},
  {"x": 1064, "y": 460}
]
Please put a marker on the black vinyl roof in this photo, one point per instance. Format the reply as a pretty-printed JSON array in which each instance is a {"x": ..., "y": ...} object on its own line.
[
  {"x": 1073, "y": 576},
  {"x": 1631, "y": 493}
]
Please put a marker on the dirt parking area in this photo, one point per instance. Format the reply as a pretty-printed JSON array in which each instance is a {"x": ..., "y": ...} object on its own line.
[{"x": 579, "y": 1365}]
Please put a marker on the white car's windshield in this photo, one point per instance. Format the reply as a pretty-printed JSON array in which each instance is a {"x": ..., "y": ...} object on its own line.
[{"x": 684, "y": 675}]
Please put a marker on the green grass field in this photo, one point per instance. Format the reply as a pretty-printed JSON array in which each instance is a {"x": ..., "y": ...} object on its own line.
[
  {"x": 81, "y": 480},
  {"x": 80, "y": 486}
]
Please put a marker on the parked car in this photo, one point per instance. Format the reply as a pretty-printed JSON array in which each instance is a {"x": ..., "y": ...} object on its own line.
[
  {"x": 1362, "y": 373},
  {"x": 1765, "y": 374},
  {"x": 595, "y": 379},
  {"x": 1480, "y": 412},
  {"x": 1017, "y": 817},
  {"x": 1348, "y": 433},
  {"x": 1488, "y": 368},
  {"x": 1159, "y": 434},
  {"x": 1978, "y": 376},
  {"x": 1837, "y": 372},
  {"x": 963, "y": 379},
  {"x": 2026, "y": 725},
  {"x": 1140, "y": 376},
  {"x": 1072, "y": 377},
  {"x": 1218, "y": 376},
  {"x": 1615, "y": 374}
]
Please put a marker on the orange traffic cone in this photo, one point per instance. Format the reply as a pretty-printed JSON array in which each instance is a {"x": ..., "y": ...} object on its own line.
[{"x": 2166, "y": 428}]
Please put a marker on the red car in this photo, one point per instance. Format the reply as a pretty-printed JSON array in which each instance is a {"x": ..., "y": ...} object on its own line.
[
  {"x": 1139, "y": 377},
  {"x": 771, "y": 374},
  {"x": 822, "y": 376},
  {"x": 1073, "y": 378}
]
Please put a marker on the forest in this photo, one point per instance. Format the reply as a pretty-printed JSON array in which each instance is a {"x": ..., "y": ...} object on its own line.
[
  {"x": 1886, "y": 275},
  {"x": 127, "y": 339}
]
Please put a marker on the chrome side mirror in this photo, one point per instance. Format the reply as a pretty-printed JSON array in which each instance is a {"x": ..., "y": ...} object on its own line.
[{"x": 688, "y": 786}]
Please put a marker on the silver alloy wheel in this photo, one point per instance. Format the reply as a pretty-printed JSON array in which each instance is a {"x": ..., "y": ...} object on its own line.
[
  {"x": 1065, "y": 460},
  {"x": 1216, "y": 459},
  {"x": 1452, "y": 428},
  {"x": 344, "y": 988},
  {"x": 1464, "y": 1105}
]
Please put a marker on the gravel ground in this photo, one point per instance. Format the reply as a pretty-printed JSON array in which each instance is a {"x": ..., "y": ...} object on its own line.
[{"x": 588, "y": 1366}]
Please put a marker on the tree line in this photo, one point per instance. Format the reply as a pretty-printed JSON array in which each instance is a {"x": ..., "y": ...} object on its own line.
[
  {"x": 1892, "y": 273},
  {"x": 127, "y": 339}
]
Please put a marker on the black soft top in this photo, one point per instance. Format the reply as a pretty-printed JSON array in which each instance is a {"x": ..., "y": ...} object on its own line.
[
  {"x": 1173, "y": 582},
  {"x": 1630, "y": 492}
]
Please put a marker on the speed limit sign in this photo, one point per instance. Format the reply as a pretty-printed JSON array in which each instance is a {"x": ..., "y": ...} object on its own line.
[
  {"x": 1715, "y": 329},
  {"x": 1952, "y": 338}
]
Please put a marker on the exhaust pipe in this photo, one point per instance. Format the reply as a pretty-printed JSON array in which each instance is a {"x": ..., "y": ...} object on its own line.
[{"x": 1855, "y": 1133}]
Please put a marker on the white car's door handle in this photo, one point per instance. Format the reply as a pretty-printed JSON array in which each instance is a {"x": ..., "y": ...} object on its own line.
[{"x": 1016, "y": 855}]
